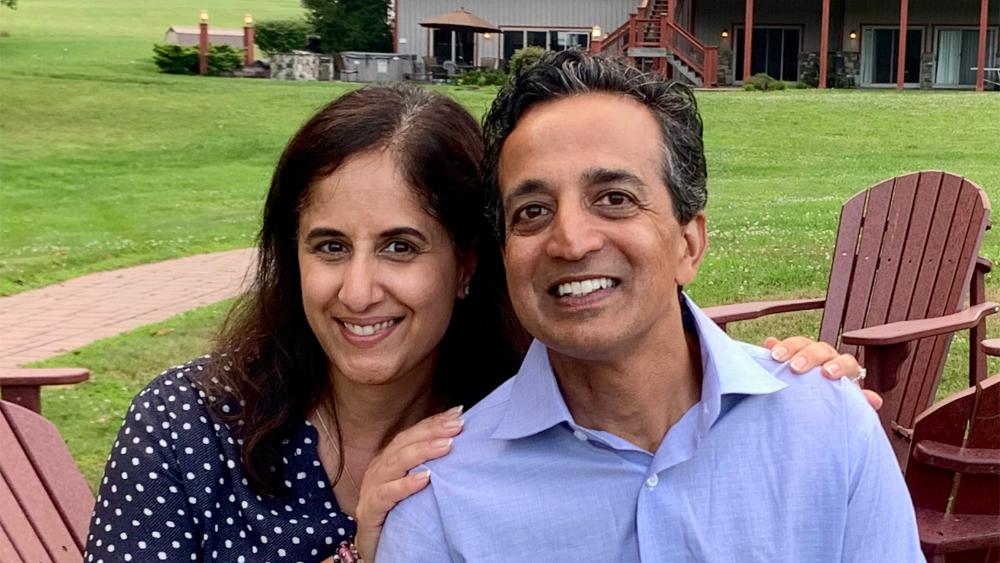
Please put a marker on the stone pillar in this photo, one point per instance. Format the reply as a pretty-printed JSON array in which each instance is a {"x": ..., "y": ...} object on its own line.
[{"x": 926, "y": 71}]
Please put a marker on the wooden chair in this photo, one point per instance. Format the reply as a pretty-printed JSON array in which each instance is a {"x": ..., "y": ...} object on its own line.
[
  {"x": 22, "y": 385},
  {"x": 954, "y": 474},
  {"x": 45, "y": 504},
  {"x": 905, "y": 259}
]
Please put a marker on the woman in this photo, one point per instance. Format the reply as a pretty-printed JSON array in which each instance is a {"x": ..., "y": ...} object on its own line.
[{"x": 376, "y": 303}]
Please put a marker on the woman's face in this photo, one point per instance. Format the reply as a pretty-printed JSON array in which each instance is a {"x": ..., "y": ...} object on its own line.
[{"x": 379, "y": 275}]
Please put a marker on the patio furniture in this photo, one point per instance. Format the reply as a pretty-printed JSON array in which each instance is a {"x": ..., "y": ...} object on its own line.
[
  {"x": 345, "y": 72},
  {"x": 487, "y": 63},
  {"x": 904, "y": 261},
  {"x": 954, "y": 474},
  {"x": 991, "y": 76},
  {"x": 433, "y": 70},
  {"x": 23, "y": 385},
  {"x": 45, "y": 503}
]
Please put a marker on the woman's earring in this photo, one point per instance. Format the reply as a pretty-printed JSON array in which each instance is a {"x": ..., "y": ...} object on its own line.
[{"x": 467, "y": 290}]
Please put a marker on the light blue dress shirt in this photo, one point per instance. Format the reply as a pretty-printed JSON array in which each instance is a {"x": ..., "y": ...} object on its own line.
[{"x": 768, "y": 466}]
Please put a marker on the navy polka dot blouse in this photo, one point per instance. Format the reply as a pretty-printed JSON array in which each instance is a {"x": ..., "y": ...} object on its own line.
[{"x": 174, "y": 490}]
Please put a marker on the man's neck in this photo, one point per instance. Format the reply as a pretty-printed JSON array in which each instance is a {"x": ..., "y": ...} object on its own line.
[{"x": 639, "y": 395}]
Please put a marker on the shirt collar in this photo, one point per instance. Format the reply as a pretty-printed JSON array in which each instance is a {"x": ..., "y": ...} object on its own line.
[{"x": 536, "y": 404}]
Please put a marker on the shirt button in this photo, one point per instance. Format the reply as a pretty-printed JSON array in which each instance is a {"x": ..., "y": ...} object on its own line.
[
  {"x": 704, "y": 409},
  {"x": 652, "y": 481},
  {"x": 580, "y": 435}
]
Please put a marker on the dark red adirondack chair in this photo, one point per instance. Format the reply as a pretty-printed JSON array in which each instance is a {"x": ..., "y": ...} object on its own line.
[
  {"x": 954, "y": 474},
  {"x": 905, "y": 259},
  {"x": 45, "y": 503}
]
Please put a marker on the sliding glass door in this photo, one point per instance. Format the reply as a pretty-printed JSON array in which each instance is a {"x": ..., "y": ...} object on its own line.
[
  {"x": 957, "y": 54},
  {"x": 773, "y": 50},
  {"x": 880, "y": 55}
]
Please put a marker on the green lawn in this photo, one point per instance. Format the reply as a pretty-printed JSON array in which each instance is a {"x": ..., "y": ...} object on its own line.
[{"x": 104, "y": 163}]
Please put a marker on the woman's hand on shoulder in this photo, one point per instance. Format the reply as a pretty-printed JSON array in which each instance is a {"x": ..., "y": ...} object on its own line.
[
  {"x": 386, "y": 481},
  {"x": 804, "y": 354}
]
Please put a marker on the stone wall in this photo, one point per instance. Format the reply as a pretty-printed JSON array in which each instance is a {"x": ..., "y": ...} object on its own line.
[
  {"x": 297, "y": 65},
  {"x": 926, "y": 70},
  {"x": 725, "y": 72}
]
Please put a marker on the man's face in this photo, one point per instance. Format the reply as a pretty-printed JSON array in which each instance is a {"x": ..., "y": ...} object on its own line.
[{"x": 594, "y": 254}]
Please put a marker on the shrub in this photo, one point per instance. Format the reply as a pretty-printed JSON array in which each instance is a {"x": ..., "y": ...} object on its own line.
[
  {"x": 281, "y": 36},
  {"x": 489, "y": 77},
  {"x": 523, "y": 58},
  {"x": 223, "y": 58},
  {"x": 176, "y": 59},
  {"x": 762, "y": 82}
]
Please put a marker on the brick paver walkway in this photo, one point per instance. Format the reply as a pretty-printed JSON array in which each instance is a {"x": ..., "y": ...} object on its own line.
[{"x": 45, "y": 322}]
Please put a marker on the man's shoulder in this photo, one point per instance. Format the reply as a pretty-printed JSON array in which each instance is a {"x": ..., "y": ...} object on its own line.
[{"x": 480, "y": 422}]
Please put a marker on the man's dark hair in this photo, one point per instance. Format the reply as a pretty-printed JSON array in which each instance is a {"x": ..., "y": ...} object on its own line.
[{"x": 574, "y": 72}]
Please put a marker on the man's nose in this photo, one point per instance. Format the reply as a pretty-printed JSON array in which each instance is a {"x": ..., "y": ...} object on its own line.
[
  {"x": 573, "y": 234},
  {"x": 361, "y": 287}
]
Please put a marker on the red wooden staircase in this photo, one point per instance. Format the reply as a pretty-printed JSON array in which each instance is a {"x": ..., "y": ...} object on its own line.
[{"x": 652, "y": 39}]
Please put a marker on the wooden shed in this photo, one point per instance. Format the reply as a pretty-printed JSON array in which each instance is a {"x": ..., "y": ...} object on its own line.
[{"x": 188, "y": 35}]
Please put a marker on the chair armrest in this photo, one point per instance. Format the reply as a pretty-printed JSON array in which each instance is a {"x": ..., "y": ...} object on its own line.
[
  {"x": 961, "y": 460},
  {"x": 984, "y": 265},
  {"x": 990, "y": 347},
  {"x": 21, "y": 385},
  {"x": 724, "y": 314},
  {"x": 888, "y": 345},
  {"x": 29, "y": 377},
  {"x": 906, "y": 331}
]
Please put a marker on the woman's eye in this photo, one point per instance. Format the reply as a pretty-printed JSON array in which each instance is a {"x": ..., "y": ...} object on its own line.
[
  {"x": 332, "y": 247},
  {"x": 399, "y": 247}
]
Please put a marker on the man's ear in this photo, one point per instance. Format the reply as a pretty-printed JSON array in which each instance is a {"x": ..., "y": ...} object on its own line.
[
  {"x": 695, "y": 243},
  {"x": 466, "y": 269}
]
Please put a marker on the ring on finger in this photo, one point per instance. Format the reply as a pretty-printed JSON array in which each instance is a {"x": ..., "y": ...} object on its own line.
[{"x": 862, "y": 372}]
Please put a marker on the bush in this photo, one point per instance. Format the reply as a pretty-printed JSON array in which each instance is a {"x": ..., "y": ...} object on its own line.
[
  {"x": 523, "y": 58},
  {"x": 489, "y": 77},
  {"x": 175, "y": 59},
  {"x": 763, "y": 83},
  {"x": 223, "y": 58},
  {"x": 281, "y": 36}
]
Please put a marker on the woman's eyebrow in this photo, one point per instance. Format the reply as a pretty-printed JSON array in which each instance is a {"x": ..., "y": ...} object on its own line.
[
  {"x": 398, "y": 231},
  {"x": 324, "y": 232}
]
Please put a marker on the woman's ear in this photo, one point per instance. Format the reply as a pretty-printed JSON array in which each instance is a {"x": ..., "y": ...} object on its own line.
[{"x": 466, "y": 269}]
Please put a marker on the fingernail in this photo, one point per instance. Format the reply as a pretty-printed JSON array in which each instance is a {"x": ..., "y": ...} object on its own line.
[
  {"x": 779, "y": 353},
  {"x": 832, "y": 368},
  {"x": 454, "y": 411},
  {"x": 441, "y": 443},
  {"x": 453, "y": 423},
  {"x": 423, "y": 475},
  {"x": 798, "y": 363}
]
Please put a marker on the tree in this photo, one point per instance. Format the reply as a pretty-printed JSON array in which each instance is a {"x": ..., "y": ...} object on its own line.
[{"x": 350, "y": 25}]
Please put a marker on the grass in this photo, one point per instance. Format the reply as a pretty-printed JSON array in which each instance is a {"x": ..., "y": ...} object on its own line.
[{"x": 105, "y": 162}]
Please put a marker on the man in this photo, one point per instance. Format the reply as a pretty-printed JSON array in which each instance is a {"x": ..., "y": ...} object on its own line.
[{"x": 636, "y": 430}]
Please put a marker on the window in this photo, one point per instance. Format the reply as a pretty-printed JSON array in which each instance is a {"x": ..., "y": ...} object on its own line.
[{"x": 550, "y": 39}]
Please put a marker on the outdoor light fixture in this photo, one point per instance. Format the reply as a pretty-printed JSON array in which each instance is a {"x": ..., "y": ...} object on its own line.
[
  {"x": 248, "y": 20},
  {"x": 596, "y": 32},
  {"x": 853, "y": 35},
  {"x": 486, "y": 36},
  {"x": 203, "y": 16},
  {"x": 725, "y": 33}
]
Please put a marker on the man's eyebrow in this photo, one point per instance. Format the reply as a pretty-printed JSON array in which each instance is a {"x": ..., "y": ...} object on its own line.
[
  {"x": 598, "y": 176},
  {"x": 525, "y": 188}
]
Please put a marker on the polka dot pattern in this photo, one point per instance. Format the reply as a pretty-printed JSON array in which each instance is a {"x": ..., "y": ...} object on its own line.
[{"x": 174, "y": 490}]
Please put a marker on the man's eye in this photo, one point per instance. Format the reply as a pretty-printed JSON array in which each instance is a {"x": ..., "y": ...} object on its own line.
[
  {"x": 614, "y": 199},
  {"x": 530, "y": 213}
]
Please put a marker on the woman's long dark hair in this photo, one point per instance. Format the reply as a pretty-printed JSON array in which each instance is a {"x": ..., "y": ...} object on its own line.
[{"x": 267, "y": 359}]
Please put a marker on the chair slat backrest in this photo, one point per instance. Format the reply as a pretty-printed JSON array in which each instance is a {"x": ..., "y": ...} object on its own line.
[
  {"x": 45, "y": 504},
  {"x": 906, "y": 249}
]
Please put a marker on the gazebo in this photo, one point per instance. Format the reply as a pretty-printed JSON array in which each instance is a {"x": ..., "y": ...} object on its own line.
[{"x": 459, "y": 41}]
